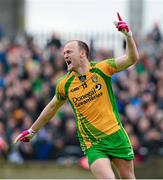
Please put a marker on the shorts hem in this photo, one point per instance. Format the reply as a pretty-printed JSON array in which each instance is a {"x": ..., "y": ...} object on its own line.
[
  {"x": 92, "y": 161},
  {"x": 125, "y": 158}
]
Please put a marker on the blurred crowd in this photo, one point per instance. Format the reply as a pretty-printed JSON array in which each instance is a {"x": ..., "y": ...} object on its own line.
[{"x": 28, "y": 76}]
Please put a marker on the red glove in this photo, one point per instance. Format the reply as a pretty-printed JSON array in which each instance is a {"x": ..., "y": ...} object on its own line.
[
  {"x": 122, "y": 26},
  {"x": 25, "y": 136}
]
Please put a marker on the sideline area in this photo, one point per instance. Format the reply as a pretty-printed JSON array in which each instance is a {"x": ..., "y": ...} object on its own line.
[{"x": 149, "y": 170}]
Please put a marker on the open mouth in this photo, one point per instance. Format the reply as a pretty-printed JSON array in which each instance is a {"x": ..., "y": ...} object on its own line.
[{"x": 68, "y": 62}]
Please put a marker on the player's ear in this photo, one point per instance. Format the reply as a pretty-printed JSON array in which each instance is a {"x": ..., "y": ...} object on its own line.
[{"x": 82, "y": 53}]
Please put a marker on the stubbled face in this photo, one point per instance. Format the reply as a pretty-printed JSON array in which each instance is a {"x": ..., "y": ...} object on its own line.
[{"x": 72, "y": 55}]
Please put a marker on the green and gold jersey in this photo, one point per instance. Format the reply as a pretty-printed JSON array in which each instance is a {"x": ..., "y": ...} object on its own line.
[{"x": 92, "y": 100}]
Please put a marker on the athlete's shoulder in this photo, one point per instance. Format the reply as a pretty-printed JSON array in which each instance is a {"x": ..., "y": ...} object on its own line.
[
  {"x": 108, "y": 66},
  {"x": 111, "y": 62},
  {"x": 63, "y": 79},
  {"x": 60, "y": 87}
]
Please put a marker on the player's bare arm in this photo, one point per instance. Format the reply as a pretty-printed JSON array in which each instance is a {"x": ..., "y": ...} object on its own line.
[
  {"x": 131, "y": 56},
  {"x": 48, "y": 112}
]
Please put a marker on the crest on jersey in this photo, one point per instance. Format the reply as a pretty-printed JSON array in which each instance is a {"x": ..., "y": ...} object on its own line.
[
  {"x": 82, "y": 78},
  {"x": 94, "y": 78}
]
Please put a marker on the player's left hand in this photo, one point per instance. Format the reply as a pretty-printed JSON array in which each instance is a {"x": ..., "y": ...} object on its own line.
[{"x": 122, "y": 26}]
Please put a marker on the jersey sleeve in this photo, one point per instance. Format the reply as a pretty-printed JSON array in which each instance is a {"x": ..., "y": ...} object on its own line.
[
  {"x": 59, "y": 91},
  {"x": 108, "y": 66}
]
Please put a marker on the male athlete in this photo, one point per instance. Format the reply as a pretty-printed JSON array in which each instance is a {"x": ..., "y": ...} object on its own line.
[{"x": 87, "y": 86}]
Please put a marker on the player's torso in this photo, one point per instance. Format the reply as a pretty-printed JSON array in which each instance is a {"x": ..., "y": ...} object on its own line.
[{"x": 89, "y": 96}]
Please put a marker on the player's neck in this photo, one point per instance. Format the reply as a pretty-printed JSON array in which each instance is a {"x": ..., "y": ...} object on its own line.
[{"x": 83, "y": 68}]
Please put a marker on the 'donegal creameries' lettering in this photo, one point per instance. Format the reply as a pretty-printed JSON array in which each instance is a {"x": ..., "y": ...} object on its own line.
[{"x": 91, "y": 95}]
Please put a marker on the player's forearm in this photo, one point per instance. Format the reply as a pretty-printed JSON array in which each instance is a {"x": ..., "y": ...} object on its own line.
[
  {"x": 43, "y": 118},
  {"x": 131, "y": 56},
  {"x": 48, "y": 112},
  {"x": 131, "y": 50}
]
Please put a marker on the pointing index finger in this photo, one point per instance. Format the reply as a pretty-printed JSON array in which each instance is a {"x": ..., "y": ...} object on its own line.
[{"x": 119, "y": 17}]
